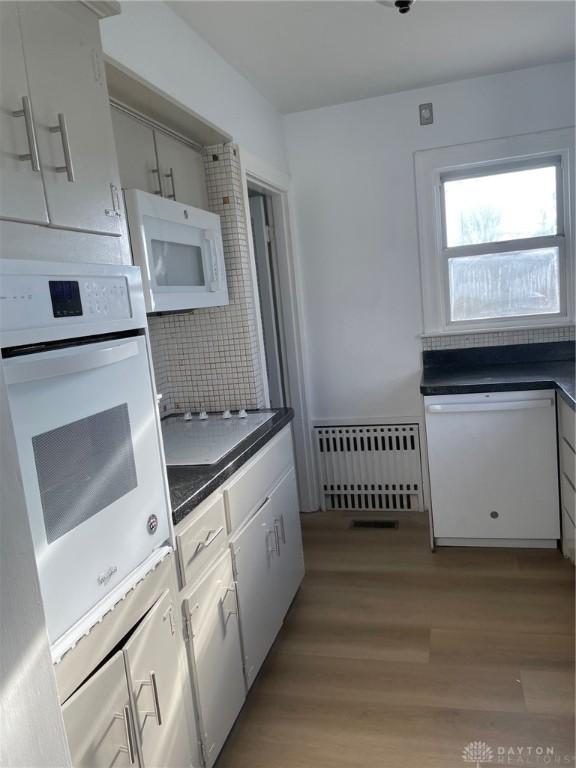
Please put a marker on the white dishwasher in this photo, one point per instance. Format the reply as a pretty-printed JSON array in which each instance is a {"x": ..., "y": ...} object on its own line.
[{"x": 493, "y": 468}]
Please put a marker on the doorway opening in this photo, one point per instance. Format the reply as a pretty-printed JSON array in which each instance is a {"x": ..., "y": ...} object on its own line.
[{"x": 267, "y": 274}]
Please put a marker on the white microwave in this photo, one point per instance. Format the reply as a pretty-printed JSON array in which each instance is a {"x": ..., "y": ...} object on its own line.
[{"x": 179, "y": 250}]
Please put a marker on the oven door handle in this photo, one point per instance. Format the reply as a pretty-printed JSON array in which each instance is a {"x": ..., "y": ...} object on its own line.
[{"x": 43, "y": 365}]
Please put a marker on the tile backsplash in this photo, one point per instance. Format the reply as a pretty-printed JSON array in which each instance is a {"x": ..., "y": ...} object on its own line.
[
  {"x": 210, "y": 358},
  {"x": 498, "y": 338}
]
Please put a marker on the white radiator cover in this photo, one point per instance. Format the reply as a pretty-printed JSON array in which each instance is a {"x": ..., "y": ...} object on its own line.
[{"x": 370, "y": 468}]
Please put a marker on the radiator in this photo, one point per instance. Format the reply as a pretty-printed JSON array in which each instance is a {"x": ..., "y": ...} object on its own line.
[{"x": 371, "y": 468}]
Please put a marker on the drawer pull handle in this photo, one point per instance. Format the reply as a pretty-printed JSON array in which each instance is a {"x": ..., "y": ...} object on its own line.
[{"x": 204, "y": 543}]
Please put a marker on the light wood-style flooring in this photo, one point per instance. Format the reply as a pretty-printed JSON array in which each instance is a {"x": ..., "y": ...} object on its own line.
[{"x": 396, "y": 657}]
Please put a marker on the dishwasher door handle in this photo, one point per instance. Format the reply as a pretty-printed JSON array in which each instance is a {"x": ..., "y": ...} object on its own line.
[{"x": 510, "y": 405}]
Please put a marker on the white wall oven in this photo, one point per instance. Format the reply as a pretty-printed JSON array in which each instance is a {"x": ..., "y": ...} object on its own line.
[
  {"x": 179, "y": 249},
  {"x": 81, "y": 395}
]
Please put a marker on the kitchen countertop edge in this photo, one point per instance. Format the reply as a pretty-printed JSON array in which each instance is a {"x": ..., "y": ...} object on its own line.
[
  {"x": 501, "y": 378},
  {"x": 191, "y": 485}
]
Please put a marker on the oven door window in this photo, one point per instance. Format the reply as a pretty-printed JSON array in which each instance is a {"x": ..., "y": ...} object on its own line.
[
  {"x": 83, "y": 467},
  {"x": 177, "y": 265}
]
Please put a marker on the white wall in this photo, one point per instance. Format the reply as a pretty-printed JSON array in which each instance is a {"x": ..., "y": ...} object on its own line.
[
  {"x": 152, "y": 41},
  {"x": 353, "y": 184}
]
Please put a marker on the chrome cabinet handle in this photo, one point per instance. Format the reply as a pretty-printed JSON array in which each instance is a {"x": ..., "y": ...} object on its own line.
[
  {"x": 116, "y": 210},
  {"x": 268, "y": 549},
  {"x": 170, "y": 175},
  {"x": 152, "y": 682},
  {"x": 282, "y": 529},
  {"x": 156, "y": 698},
  {"x": 212, "y": 534},
  {"x": 129, "y": 748},
  {"x": 159, "y": 175},
  {"x": 227, "y": 612},
  {"x": 26, "y": 113},
  {"x": 277, "y": 539},
  {"x": 62, "y": 129}
]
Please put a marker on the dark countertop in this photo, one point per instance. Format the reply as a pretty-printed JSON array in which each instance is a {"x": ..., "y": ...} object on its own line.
[
  {"x": 191, "y": 485},
  {"x": 501, "y": 369}
]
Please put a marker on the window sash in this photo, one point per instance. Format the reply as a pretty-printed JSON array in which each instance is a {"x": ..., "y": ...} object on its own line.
[
  {"x": 535, "y": 243},
  {"x": 495, "y": 169}
]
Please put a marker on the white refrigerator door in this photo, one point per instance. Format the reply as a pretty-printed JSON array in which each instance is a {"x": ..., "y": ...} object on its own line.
[{"x": 91, "y": 464}]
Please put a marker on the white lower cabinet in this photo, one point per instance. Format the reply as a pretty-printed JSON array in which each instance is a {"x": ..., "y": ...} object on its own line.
[
  {"x": 255, "y": 552},
  {"x": 235, "y": 600},
  {"x": 156, "y": 668},
  {"x": 567, "y": 443},
  {"x": 285, "y": 509},
  {"x": 211, "y": 611},
  {"x": 99, "y": 721},
  {"x": 133, "y": 710},
  {"x": 269, "y": 568}
]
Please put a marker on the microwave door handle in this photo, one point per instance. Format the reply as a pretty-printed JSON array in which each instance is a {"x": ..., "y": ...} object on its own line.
[{"x": 45, "y": 366}]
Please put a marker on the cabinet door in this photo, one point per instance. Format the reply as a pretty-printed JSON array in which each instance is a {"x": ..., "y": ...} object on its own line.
[
  {"x": 256, "y": 556},
  {"x": 212, "y": 609},
  {"x": 155, "y": 658},
  {"x": 66, "y": 77},
  {"x": 99, "y": 722},
  {"x": 136, "y": 153},
  {"x": 182, "y": 171},
  {"x": 21, "y": 187},
  {"x": 284, "y": 508}
]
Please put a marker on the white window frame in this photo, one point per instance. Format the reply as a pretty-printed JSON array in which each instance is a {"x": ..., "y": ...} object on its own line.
[{"x": 434, "y": 167}]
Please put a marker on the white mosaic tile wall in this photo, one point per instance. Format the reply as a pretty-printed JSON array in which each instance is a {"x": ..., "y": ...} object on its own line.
[
  {"x": 498, "y": 338},
  {"x": 210, "y": 358}
]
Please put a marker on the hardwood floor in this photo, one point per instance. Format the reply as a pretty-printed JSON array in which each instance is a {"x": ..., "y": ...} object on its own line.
[{"x": 396, "y": 657}]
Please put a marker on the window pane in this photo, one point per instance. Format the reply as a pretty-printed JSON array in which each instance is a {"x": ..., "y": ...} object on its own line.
[
  {"x": 504, "y": 284},
  {"x": 502, "y": 206}
]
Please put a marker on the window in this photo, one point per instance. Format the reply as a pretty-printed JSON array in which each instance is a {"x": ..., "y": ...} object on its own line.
[
  {"x": 493, "y": 235},
  {"x": 501, "y": 241}
]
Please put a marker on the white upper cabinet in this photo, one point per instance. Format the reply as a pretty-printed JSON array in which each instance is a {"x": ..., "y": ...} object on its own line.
[
  {"x": 182, "y": 172},
  {"x": 155, "y": 162},
  {"x": 136, "y": 153},
  {"x": 69, "y": 97},
  {"x": 21, "y": 188}
]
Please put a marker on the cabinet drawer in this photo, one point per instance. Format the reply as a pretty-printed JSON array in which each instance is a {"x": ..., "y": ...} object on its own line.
[
  {"x": 252, "y": 483},
  {"x": 566, "y": 422},
  {"x": 568, "y": 533},
  {"x": 202, "y": 540},
  {"x": 568, "y": 496}
]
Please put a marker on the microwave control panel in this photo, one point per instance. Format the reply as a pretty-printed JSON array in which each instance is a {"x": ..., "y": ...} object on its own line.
[{"x": 28, "y": 301}]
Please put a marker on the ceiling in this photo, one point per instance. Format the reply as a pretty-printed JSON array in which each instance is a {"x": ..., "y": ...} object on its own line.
[{"x": 303, "y": 55}]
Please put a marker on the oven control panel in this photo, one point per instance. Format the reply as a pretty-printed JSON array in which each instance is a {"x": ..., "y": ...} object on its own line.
[{"x": 28, "y": 301}]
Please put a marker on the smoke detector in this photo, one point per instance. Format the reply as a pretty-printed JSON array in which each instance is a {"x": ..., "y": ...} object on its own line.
[{"x": 402, "y": 6}]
